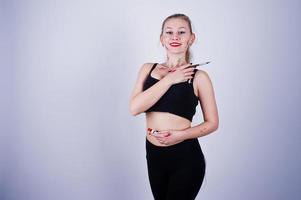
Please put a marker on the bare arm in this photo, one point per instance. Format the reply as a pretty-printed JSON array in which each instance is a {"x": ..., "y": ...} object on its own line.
[
  {"x": 209, "y": 108},
  {"x": 143, "y": 100}
]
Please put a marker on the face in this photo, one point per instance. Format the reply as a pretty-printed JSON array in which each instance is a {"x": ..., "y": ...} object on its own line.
[{"x": 176, "y": 36}]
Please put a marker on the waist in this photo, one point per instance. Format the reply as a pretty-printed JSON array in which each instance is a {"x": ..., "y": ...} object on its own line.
[
  {"x": 186, "y": 148},
  {"x": 164, "y": 121},
  {"x": 184, "y": 144}
]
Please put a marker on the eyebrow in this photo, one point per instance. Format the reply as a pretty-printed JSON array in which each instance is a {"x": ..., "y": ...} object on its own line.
[{"x": 179, "y": 27}]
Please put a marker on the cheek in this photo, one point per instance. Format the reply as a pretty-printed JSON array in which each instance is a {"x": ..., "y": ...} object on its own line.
[
  {"x": 165, "y": 38},
  {"x": 185, "y": 39}
]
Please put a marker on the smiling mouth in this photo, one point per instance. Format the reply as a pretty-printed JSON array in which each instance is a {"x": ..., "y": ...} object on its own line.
[{"x": 175, "y": 44}]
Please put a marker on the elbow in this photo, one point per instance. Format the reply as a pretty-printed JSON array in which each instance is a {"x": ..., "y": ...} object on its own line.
[
  {"x": 212, "y": 126},
  {"x": 134, "y": 111},
  {"x": 215, "y": 126}
]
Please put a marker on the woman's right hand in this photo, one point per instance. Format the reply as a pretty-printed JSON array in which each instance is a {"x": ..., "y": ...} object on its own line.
[{"x": 180, "y": 74}]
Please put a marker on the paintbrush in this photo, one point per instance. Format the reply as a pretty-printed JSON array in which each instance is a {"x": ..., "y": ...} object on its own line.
[{"x": 196, "y": 65}]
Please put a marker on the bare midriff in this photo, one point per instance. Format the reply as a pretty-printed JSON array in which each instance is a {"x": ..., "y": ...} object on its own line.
[{"x": 163, "y": 121}]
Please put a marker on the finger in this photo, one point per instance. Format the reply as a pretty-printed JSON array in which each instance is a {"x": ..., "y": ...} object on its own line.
[
  {"x": 163, "y": 135},
  {"x": 189, "y": 69},
  {"x": 160, "y": 135},
  {"x": 162, "y": 141},
  {"x": 189, "y": 77},
  {"x": 192, "y": 66},
  {"x": 165, "y": 131},
  {"x": 188, "y": 73}
]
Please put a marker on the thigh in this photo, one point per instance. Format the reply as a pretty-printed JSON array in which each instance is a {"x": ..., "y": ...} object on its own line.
[
  {"x": 186, "y": 181},
  {"x": 158, "y": 179}
]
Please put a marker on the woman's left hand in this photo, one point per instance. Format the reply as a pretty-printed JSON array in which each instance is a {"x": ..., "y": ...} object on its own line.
[{"x": 168, "y": 137}]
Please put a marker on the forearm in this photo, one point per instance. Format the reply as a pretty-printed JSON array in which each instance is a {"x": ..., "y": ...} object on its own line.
[
  {"x": 200, "y": 130},
  {"x": 149, "y": 97}
]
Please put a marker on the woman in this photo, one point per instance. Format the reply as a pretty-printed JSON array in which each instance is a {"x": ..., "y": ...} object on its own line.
[{"x": 168, "y": 93}]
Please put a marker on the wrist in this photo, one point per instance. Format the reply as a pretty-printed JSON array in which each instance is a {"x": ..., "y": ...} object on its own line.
[
  {"x": 167, "y": 81},
  {"x": 181, "y": 135}
]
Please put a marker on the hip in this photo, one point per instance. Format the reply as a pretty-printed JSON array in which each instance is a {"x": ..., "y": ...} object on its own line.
[{"x": 186, "y": 149}]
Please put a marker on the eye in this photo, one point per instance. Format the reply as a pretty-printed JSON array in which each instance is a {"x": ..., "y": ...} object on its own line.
[
  {"x": 182, "y": 32},
  {"x": 168, "y": 32}
]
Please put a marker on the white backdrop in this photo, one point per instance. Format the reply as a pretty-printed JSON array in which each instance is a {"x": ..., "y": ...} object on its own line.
[{"x": 67, "y": 72}]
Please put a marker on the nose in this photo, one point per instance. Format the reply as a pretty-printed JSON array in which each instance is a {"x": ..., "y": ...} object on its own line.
[{"x": 175, "y": 36}]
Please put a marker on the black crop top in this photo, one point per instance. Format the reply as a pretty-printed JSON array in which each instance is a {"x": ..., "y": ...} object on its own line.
[{"x": 179, "y": 99}]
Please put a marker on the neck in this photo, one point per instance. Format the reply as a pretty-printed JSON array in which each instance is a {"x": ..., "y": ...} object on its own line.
[{"x": 174, "y": 60}]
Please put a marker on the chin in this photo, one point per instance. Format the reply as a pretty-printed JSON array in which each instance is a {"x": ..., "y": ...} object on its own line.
[{"x": 176, "y": 51}]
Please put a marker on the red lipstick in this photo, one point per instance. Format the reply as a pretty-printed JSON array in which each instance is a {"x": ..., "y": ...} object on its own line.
[{"x": 175, "y": 44}]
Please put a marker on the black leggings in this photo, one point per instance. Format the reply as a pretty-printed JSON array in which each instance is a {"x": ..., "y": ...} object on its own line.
[{"x": 175, "y": 172}]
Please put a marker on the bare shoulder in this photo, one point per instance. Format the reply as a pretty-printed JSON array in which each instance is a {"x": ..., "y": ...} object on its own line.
[
  {"x": 146, "y": 67},
  {"x": 201, "y": 76},
  {"x": 202, "y": 82},
  {"x": 143, "y": 72}
]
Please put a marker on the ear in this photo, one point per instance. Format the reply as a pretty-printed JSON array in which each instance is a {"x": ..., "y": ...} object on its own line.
[
  {"x": 192, "y": 39},
  {"x": 161, "y": 39}
]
